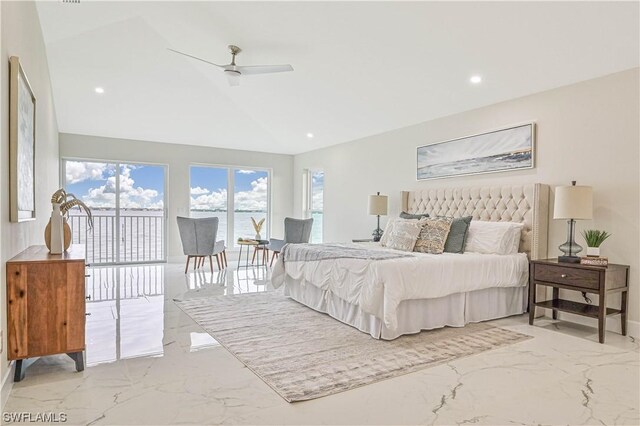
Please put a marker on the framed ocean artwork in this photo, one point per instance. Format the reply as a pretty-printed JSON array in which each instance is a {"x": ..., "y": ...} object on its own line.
[{"x": 510, "y": 148}]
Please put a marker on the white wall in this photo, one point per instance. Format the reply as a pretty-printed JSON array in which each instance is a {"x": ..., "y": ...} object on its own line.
[
  {"x": 178, "y": 158},
  {"x": 22, "y": 37},
  {"x": 587, "y": 132}
]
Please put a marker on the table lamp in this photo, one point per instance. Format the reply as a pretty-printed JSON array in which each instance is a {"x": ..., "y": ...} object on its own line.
[
  {"x": 378, "y": 207},
  {"x": 571, "y": 203}
]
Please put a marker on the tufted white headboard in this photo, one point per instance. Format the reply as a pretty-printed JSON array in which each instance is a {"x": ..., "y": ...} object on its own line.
[{"x": 528, "y": 204}]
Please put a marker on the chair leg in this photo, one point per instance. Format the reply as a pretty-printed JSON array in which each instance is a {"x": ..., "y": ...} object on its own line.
[
  {"x": 255, "y": 250},
  {"x": 186, "y": 268},
  {"x": 224, "y": 258},
  {"x": 273, "y": 257},
  {"x": 211, "y": 263},
  {"x": 218, "y": 261}
]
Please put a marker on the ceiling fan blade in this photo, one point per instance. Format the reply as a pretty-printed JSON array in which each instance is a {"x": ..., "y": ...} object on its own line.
[
  {"x": 263, "y": 69},
  {"x": 195, "y": 57},
  {"x": 233, "y": 78}
]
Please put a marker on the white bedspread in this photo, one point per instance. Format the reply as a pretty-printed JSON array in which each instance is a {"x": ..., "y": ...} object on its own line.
[{"x": 379, "y": 286}]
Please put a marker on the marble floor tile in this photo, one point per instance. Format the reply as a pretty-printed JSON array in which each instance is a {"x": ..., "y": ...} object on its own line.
[{"x": 149, "y": 363}]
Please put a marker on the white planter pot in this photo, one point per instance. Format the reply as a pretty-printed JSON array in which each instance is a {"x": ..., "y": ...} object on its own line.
[
  {"x": 593, "y": 251},
  {"x": 57, "y": 230}
]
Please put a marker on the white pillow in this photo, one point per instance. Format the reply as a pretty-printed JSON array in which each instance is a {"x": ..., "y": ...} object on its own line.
[
  {"x": 401, "y": 234},
  {"x": 493, "y": 237}
]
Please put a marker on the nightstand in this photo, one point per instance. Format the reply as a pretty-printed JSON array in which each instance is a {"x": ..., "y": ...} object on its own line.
[{"x": 585, "y": 279}]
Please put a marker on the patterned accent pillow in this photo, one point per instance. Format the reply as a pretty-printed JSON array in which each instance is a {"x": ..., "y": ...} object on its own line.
[
  {"x": 401, "y": 234},
  {"x": 433, "y": 235}
]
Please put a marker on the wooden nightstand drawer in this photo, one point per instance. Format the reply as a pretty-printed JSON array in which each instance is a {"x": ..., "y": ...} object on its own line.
[{"x": 575, "y": 277}]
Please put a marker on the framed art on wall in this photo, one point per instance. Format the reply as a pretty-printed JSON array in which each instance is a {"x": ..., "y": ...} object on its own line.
[
  {"x": 22, "y": 142},
  {"x": 510, "y": 148}
]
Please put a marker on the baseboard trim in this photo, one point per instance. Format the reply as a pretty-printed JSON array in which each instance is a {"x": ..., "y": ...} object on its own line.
[
  {"x": 613, "y": 323},
  {"x": 7, "y": 385}
]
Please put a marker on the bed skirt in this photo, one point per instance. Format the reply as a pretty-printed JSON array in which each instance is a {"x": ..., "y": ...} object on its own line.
[{"x": 455, "y": 310}]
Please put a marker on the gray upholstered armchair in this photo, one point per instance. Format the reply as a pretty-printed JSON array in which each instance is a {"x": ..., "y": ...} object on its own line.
[
  {"x": 199, "y": 241},
  {"x": 296, "y": 231}
]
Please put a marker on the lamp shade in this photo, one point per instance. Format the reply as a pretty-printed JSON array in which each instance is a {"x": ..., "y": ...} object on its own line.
[
  {"x": 573, "y": 202},
  {"x": 378, "y": 205}
]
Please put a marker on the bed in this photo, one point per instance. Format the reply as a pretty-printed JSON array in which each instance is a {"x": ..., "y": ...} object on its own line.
[{"x": 387, "y": 296}]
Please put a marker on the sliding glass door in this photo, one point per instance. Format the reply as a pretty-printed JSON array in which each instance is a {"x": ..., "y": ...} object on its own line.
[{"x": 128, "y": 206}]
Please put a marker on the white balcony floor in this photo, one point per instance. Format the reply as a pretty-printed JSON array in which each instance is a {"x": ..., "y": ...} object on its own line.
[{"x": 149, "y": 363}]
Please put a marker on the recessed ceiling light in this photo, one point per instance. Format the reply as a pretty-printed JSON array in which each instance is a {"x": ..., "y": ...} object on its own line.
[
  {"x": 310, "y": 135},
  {"x": 475, "y": 79},
  {"x": 99, "y": 90}
]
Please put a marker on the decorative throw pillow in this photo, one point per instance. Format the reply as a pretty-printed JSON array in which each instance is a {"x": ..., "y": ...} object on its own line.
[
  {"x": 493, "y": 237},
  {"x": 401, "y": 234},
  {"x": 457, "y": 235},
  {"x": 405, "y": 215},
  {"x": 433, "y": 235}
]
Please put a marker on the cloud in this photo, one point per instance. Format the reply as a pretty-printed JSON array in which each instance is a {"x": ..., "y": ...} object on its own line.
[
  {"x": 216, "y": 200},
  {"x": 79, "y": 171},
  {"x": 317, "y": 201},
  {"x": 199, "y": 191},
  {"x": 246, "y": 172},
  {"x": 254, "y": 199},
  {"x": 131, "y": 196}
]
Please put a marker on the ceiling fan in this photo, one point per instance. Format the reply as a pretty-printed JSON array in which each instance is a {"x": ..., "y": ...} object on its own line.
[{"x": 233, "y": 71}]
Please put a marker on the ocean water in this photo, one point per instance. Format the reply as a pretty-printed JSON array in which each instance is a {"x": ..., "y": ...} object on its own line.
[
  {"x": 142, "y": 236},
  {"x": 477, "y": 165}
]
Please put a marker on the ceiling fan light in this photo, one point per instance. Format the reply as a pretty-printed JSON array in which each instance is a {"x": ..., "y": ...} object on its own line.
[{"x": 233, "y": 77}]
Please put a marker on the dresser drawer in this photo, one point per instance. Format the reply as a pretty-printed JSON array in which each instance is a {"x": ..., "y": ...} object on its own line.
[{"x": 575, "y": 277}]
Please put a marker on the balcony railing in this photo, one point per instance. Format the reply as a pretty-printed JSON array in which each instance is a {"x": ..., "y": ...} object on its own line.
[
  {"x": 140, "y": 238},
  {"x": 110, "y": 283}
]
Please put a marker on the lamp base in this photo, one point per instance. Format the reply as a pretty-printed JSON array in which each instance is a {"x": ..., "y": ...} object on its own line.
[
  {"x": 376, "y": 234},
  {"x": 570, "y": 248}
]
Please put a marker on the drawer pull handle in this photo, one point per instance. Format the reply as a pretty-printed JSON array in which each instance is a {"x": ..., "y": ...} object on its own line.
[
  {"x": 563, "y": 276},
  {"x": 88, "y": 314},
  {"x": 88, "y": 297}
]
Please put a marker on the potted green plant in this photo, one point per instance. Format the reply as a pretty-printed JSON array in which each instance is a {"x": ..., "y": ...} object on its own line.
[{"x": 594, "y": 238}]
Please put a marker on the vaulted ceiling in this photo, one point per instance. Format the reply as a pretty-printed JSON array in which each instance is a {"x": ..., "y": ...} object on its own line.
[{"x": 361, "y": 68}]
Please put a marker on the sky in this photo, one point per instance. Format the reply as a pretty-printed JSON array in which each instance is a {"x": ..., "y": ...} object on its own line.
[
  {"x": 142, "y": 186},
  {"x": 317, "y": 190},
  {"x": 209, "y": 189},
  {"x": 477, "y": 146}
]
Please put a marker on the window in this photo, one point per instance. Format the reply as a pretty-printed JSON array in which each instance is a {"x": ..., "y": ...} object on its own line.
[
  {"x": 209, "y": 196},
  {"x": 234, "y": 196},
  {"x": 250, "y": 199},
  {"x": 314, "y": 202}
]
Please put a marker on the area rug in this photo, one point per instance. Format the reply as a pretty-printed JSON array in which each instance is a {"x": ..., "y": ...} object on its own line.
[{"x": 303, "y": 354}]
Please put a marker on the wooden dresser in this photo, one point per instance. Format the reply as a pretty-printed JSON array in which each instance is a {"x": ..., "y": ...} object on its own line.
[{"x": 46, "y": 305}]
